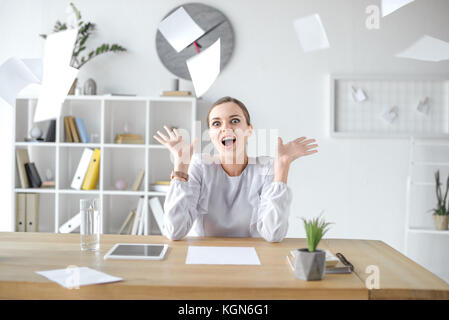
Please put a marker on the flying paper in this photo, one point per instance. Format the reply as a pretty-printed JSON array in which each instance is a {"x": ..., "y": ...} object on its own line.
[
  {"x": 390, "y": 6},
  {"x": 427, "y": 49},
  {"x": 58, "y": 76},
  {"x": 180, "y": 29},
  {"x": 311, "y": 33},
  {"x": 16, "y": 74},
  {"x": 204, "y": 68}
]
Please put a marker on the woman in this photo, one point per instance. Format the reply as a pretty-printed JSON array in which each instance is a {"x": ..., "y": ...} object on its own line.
[{"x": 231, "y": 195}]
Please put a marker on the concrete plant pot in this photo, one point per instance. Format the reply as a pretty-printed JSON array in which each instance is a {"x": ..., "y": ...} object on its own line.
[
  {"x": 441, "y": 222},
  {"x": 310, "y": 266}
]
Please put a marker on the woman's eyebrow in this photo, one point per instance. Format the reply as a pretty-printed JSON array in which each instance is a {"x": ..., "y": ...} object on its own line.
[{"x": 231, "y": 116}]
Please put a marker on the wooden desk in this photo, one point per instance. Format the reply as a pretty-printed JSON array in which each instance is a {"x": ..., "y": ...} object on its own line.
[{"x": 21, "y": 254}]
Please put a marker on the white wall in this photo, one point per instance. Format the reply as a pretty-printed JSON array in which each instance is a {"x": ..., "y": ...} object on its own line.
[{"x": 360, "y": 183}]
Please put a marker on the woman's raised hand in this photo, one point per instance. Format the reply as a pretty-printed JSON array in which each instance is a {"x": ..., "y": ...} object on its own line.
[
  {"x": 181, "y": 150},
  {"x": 289, "y": 152}
]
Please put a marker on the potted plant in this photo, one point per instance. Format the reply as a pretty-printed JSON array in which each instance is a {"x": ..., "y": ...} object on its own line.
[
  {"x": 441, "y": 213},
  {"x": 310, "y": 262},
  {"x": 85, "y": 29}
]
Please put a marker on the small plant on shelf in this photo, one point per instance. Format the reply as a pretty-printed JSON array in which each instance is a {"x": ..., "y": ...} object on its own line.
[{"x": 441, "y": 212}]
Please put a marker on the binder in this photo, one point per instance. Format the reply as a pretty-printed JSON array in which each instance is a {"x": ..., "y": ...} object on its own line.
[
  {"x": 32, "y": 212},
  {"x": 81, "y": 171},
  {"x": 33, "y": 175},
  {"x": 74, "y": 130},
  {"x": 20, "y": 212},
  {"x": 71, "y": 224},
  {"x": 82, "y": 130},
  {"x": 128, "y": 220},
  {"x": 22, "y": 158},
  {"x": 158, "y": 213},
  {"x": 142, "y": 219},
  {"x": 93, "y": 172},
  {"x": 137, "y": 216},
  {"x": 68, "y": 131}
]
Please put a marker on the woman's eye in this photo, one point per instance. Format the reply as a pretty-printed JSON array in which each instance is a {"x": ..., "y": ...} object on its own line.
[
  {"x": 235, "y": 121},
  {"x": 216, "y": 123}
]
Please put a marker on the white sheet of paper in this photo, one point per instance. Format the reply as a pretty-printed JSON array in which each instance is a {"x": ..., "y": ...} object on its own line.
[
  {"x": 204, "y": 68},
  {"x": 427, "y": 49},
  {"x": 358, "y": 95},
  {"x": 180, "y": 29},
  {"x": 16, "y": 74},
  {"x": 76, "y": 277},
  {"x": 58, "y": 76},
  {"x": 311, "y": 33},
  {"x": 390, "y": 6},
  {"x": 222, "y": 255}
]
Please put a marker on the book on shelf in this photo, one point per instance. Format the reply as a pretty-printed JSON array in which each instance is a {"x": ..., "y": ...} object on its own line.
[
  {"x": 32, "y": 212},
  {"x": 48, "y": 184},
  {"x": 93, "y": 172},
  {"x": 128, "y": 222},
  {"x": 138, "y": 181},
  {"x": 33, "y": 175},
  {"x": 68, "y": 131},
  {"x": 20, "y": 212},
  {"x": 176, "y": 93},
  {"x": 81, "y": 171},
  {"x": 50, "y": 136},
  {"x": 22, "y": 158},
  {"x": 158, "y": 213},
  {"x": 82, "y": 130},
  {"x": 128, "y": 138},
  {"x": 34, "y": 140},
  {"x": 74, "y": 130},
  {"x": 160, "y": 187}
]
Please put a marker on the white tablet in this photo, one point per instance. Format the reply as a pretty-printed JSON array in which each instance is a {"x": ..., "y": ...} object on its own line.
[{"x": 139, "y": 251}]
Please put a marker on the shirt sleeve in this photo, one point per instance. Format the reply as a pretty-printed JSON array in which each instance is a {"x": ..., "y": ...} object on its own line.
[
  {"x": 181, "y": 203},
  {"x": 274, "y": 209}
]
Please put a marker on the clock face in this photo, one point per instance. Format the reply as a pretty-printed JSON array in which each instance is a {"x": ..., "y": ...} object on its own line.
[{"x": 214, "y": 23}]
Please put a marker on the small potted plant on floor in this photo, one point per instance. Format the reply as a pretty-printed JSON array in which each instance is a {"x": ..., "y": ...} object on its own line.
[
  {"x": 310, "y": 263},
  {"x": 441, "y": 212}
]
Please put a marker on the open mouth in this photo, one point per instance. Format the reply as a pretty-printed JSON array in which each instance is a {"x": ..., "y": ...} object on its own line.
[{"x": 228, "y": 141}]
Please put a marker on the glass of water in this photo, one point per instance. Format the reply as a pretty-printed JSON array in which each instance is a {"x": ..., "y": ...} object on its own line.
[{"x": 90, "y": 224}]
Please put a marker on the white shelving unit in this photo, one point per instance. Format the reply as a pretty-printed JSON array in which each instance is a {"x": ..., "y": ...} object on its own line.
[
  {"x": 105, "y": 117},
  {"x": 423, "y": 243}
]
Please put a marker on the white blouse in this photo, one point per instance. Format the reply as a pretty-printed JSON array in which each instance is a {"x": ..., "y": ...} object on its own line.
[{"x": 216, "y": 204}]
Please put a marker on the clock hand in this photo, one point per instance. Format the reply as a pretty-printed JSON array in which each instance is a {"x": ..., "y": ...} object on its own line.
[
  {"x": 196, "y": 46},
  {"x": 208, "y": 31}
]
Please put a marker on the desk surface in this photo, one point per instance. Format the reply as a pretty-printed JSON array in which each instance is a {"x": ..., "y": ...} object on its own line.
[{"x": 21, "y": 254}]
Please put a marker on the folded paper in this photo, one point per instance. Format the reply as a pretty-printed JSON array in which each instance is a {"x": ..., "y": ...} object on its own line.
[
  {"x": 427, "y": 48},
  {"x": 311, "y": 33},
  {"x": 390, "y": 115},
  {"x": 423, "y": 106},
  {"x": 390, "y": 6},
  {"x": 358, "y": 95}
]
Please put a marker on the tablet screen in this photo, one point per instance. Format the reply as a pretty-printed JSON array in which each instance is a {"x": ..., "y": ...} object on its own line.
[{"x": 143, "y": 250}]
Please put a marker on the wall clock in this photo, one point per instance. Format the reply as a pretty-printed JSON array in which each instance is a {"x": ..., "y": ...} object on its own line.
[{"x": 214, "y": 23}]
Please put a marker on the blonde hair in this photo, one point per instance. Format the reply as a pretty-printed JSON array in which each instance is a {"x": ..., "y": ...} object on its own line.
[{"x": 230, "y": 99}]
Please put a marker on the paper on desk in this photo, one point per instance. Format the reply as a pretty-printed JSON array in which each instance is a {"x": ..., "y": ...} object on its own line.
[
  {"x": 179, "y": 29},
  {"x": 204, "y": 68},
  {"x": 390, "y": 6},
  {"x": 58, "y": 76},
  {"x": 222, "y": 255},
  {"x": 16, "y": 74},
  {"x": 427, "y": 49},
  {"x": 311, "y": 33},
  {"x": 76, "y": 277}
]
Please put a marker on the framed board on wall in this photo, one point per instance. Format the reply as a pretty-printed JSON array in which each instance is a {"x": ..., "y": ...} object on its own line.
[{"x": 374, "y": 106}]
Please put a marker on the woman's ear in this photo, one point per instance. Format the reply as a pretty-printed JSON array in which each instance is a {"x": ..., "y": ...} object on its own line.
[{"x": 250, "y": 130}]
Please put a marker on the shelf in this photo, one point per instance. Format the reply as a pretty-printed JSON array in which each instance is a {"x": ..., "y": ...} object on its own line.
[
  {"x": 35, "y": 144},
  {"x": 35, "y": 190},
  {"x": 79, "y": 145},
  {"x": 118, "y": 145},
  {"x": 431, "y": 164},
  {"x": 69, "y": 191},
  {"x": 123, "y": 193},
  {"x": 428, "y": 231}
]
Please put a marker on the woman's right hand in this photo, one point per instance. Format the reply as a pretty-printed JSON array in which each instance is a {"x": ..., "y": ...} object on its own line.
[{"x": 180, "y": 149}]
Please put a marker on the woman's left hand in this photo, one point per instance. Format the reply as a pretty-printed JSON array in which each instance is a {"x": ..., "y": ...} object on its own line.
[{"x": 289, "y": 152}]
